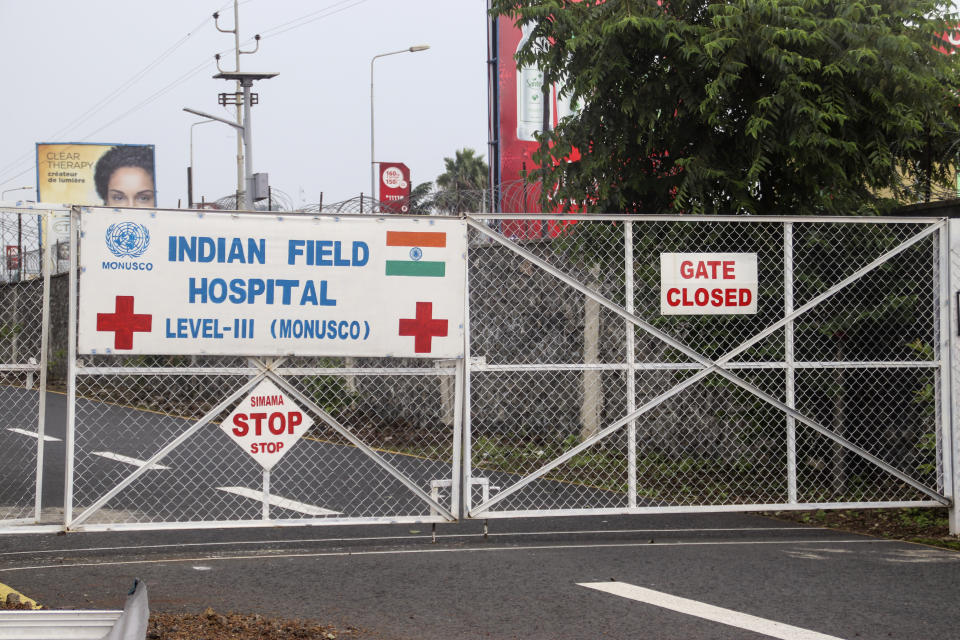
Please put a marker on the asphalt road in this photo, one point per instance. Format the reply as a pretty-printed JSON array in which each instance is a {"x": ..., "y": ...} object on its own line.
[
  {"x": 667, "y": 576},
  {"x": 339, "y": 479},
  {"x": 523, "y": 581}
]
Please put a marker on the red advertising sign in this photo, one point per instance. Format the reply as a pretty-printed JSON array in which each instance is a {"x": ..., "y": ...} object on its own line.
[
  {"x": 519, "y": 115},
  {"x": 394, "y": 187},
  {"x": 13, "y": 257}
]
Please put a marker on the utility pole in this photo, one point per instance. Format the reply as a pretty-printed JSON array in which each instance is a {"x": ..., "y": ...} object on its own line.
[{"x": 238, "y": 88}]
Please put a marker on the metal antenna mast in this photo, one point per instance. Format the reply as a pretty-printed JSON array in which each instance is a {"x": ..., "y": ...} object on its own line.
[{"x": 238, "y": 100}]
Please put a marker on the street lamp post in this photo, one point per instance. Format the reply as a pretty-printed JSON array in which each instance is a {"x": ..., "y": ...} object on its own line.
[
  {"x": 246, "y": 79},
  {"x": 6, "y": 191},
  {"x": 413, "y": 49},
  {"x": 190, "y": 170}
]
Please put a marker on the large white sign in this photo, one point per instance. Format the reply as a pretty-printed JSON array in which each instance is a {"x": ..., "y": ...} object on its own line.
[
  {"x": 708, "y": 283},
  {"x": 184, "y": 282},
  {"x": 266, "y": 424}
]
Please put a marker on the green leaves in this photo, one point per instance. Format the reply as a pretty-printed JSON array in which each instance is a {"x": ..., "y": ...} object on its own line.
[{"x": 765, "y": 106}]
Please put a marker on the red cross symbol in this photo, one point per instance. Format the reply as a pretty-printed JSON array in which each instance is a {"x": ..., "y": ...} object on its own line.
[
  {"x": 423, "y": 328},
  {"x": 123, "y": 322}
]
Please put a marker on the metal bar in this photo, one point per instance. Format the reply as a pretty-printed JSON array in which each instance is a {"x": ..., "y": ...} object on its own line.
[
  {"x": 232, "y": 524},
  {"x": 789, "y": 374},
  {"x": 339, "y": 428},
  {"x": 466, "y": 434},
  {"x": 676, "y": 344},
  {"x": 856, "y": 275},
  {"x": 948, "y": 386},
  {"x": 863, "y": 453},
  {"x": 485, "y": 368},
  {"x": 718, "y": 508},
  {"x": 167, "y": 448},
  {"x": 631, "y": 358},
  {"x": 71, "y": 371},
  {"x": 683, "y": 366},
  {"x": 244, "y": 371},
  {"x": 941, "y": 341},
  {"x": 654, "y": 217},
  {"x": 26, "y": 368},
  {"x": 589, "y": 442},
  {"x": 44, "y": 347},
  {"x": 266, "y": 494},
  {"x": 711, "y": 366},
  {"x": 457, "y": 463}
]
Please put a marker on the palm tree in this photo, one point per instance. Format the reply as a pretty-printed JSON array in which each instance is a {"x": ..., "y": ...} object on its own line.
[
  {"x": 463, "y": 182},
  {"x": 421, "y": 199}
]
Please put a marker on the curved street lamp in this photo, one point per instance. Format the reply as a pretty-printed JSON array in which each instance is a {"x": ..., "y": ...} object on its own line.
[{"x": 413, "y": 49}]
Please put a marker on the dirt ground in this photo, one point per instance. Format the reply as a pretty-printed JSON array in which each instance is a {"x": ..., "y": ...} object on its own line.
[
  {"x": 211, "y": 625},
  {"x": 925, "y": 526}
]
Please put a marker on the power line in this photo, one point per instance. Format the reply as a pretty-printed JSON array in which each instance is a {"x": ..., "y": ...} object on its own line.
[
  {"x": 124, "y": 86},
  {"x": 290, "y": 25},
  {"x": 302, "y": 20}
]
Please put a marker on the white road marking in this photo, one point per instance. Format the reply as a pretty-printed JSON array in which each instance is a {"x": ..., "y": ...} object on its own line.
[
  {"x": 392, "y": 552},
  {"x": 121, "y": 458},
  {"x": 707, "y": 611},
  {"x": 505, "y": 534},
  {"x": 34, "y": 434},
  {"x": 277, "y": 501}
]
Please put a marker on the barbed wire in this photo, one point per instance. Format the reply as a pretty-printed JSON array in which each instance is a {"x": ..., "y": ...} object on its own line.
[{"x": 517, "y": 196}]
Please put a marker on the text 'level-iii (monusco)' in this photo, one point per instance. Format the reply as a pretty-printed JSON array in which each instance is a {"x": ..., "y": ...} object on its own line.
[{"x": 171, "y": 282}]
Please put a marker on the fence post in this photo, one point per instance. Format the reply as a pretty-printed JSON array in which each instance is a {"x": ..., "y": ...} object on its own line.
[
  {"x": 631, "y": 359},
  {"x": 950, "y": 369},
  {"x": 45, "y": 269},
  {"x": 71, "y": 372},
  {"x": 789, "y": 371}
]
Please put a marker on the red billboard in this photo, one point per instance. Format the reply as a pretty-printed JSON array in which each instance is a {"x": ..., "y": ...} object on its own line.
[
  {"x": 394, "y": 187},
  {"x": 13, "y": 257},
  {"x": 518, "y": 108}
]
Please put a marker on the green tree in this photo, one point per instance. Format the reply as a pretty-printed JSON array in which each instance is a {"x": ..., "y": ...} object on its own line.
[
  {"x": 463, "y": 182},
  {"x": 421, "y": 199},
  {"x": 748, "y": 106}
]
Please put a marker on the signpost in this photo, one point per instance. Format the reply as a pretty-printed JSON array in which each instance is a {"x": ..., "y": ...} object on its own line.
[
  {"x": 395, "y": 187},
  {"x": 187, "y": 283}
]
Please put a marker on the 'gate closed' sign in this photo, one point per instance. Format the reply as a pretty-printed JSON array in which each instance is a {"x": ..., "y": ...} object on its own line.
[{"x": 708, "y": 283}]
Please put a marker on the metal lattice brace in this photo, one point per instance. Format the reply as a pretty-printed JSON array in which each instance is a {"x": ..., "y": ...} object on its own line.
[{"x": 708, "y": 365}]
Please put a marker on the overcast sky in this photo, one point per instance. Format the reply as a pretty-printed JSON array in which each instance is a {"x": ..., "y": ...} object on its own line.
[{"x": 120, "y": 71}]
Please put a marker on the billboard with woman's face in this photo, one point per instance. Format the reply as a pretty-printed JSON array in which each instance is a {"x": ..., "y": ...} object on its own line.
[{"x": 95, "y": 174}]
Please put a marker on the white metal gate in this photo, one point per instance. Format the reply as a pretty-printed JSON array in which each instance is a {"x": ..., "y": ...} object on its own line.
[
  {"x": 575, "y": 396},
  {"x": 834, "y": 394}
]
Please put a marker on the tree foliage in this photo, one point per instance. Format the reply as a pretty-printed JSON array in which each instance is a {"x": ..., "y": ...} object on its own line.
[
  {"x": 462, "y": 183},
  {"x": 465, "y": 171},
  {"x": 748, "y": 106}
]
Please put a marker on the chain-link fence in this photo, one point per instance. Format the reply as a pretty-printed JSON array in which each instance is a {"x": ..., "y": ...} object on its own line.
[
  {"x": 577, "y": 395},
  {"x": 21, "y": 342},
  {"x": 586, "y": 398},
  {"x": 382, "y": 432}
]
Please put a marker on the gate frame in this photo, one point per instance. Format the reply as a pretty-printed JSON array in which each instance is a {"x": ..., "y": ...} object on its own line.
[
  {"x": 944, "y": 339},
  {"x": 44, "y": 214},
  {"x": 259, "y": 368},
  {"x": 947, "y": 339}
]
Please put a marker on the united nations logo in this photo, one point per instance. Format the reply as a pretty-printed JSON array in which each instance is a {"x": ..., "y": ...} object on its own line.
[{"x": 127, "y": 239}]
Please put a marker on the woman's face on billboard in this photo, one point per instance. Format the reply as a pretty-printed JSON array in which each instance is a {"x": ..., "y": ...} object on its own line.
[{"x": 131, "y": 187}]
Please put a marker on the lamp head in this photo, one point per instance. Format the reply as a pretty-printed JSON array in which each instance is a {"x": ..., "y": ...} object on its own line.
[{"x": 419, "y": 47}]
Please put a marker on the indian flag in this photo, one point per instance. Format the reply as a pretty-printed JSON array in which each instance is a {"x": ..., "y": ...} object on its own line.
[{"x": 415, "y": 265}]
